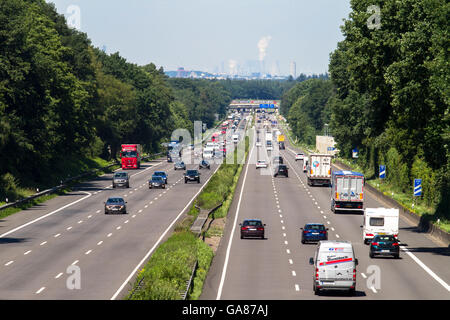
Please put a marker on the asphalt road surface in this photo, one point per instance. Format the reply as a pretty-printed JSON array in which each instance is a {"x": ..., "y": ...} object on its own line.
[{"x": 277, "y": 267}]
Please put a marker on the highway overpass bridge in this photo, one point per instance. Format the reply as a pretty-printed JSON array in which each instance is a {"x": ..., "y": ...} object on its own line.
[{"x": 248, "y": 105}]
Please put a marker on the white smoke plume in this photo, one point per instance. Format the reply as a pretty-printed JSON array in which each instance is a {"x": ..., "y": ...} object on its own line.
[
  {"x": 263, "y": 43},
  {"x": 232, "y": 64}
]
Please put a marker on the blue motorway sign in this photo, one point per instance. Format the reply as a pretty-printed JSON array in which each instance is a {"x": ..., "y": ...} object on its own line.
[
  {"x": 266, "y": 106},
  {"x": 382, "y": 172},
  {"x": 417, "y": 187}
]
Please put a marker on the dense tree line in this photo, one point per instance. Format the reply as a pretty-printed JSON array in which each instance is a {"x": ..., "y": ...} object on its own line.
[
  {"x": 390, "y": 94},
  {"x": 62, "y": 100},
  {"x": 306, "y": 108}
]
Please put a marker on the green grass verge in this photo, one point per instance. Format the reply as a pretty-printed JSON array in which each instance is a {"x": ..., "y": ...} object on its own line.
[{"x": 165, "y": 275}]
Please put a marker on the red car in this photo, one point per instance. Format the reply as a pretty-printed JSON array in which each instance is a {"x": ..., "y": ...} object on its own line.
[{"x": 252, "y": 228}]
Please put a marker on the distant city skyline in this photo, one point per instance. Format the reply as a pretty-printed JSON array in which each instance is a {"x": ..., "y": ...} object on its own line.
[{"x": 232, "y": 37}]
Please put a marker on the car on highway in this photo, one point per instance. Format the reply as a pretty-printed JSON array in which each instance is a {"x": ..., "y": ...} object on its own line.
[
  {"x": 314, "y": 232},
  {"x": 161, "y": 174},
  {"x": 299, "y": 156},
  {"x": 121, "y": 179},
  {"x": 384, "y": 245},
  {"x": 115, "y": 205},
  {"x": 204, "y": 165},
  {"x": 192, "y": 175},
  {"x": 281, "y": 169},
  {"x": 179, "y": 166},
  {"x": 334, "y": 266},
  {"x": 261, "y": 164},
  {"x": 277, "y": 160},
  {"x": 252, "y": 228},
  {"x": 259, "y": 144},
  {"x": 157, "y": 182}
]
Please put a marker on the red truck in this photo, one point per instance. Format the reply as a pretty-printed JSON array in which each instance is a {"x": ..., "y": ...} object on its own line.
[{"x": 131, "y": 156}]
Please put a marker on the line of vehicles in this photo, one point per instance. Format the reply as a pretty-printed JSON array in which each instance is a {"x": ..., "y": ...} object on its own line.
[{"x": 334, "y": 261}]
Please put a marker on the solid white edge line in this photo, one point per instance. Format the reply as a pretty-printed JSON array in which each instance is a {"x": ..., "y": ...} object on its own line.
[
  {"x": 45, "y": 216},
  {"x": 159, "y": 240},
  {"x": 428, "y": 270},
  {"x": 227, "y": 256}
]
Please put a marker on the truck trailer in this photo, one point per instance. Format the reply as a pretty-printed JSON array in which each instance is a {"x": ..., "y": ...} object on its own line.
[
  {"x": 319, "y": 169},
  {"x": 347, "y": 191}
]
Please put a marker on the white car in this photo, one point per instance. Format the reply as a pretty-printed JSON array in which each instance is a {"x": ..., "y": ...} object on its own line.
[
  {"x": 299, "y": 156},
  {"x": 261, "y": 164},
  {"x": 259, "y": 144}
]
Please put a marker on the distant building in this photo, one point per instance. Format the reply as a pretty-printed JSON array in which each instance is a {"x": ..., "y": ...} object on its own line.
[
  {"x": 181, "y": 73},
  {"x": 293, "y": 69}
]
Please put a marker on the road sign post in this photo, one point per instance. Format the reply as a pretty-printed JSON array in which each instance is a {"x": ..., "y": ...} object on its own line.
[{"x": 382, "y": 173}]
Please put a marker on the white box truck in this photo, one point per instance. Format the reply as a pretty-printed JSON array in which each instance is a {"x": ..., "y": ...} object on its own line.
[
  {"x": 347, "y": 191},
  {"x": 380, "y": 221},
  {"x": 319, "y": 169}
]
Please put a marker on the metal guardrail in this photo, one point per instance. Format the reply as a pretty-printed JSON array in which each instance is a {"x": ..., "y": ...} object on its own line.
[{"x": 189, "y": 282}]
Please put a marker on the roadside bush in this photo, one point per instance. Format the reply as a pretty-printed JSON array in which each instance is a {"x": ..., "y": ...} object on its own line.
[
  {"x": 420, "y": 170},
  {"x": 8, "y": 187},
  {"x": 396, "y": 170}
]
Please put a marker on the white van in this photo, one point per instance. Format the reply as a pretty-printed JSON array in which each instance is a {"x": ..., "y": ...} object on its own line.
[
  {"x": 380, "y": 221},
  {"x": 334, "y": 266},
  {"x": 208, "y": 152}
]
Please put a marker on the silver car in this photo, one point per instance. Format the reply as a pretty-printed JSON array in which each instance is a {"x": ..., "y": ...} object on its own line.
[{"x": 121, "y": 179}]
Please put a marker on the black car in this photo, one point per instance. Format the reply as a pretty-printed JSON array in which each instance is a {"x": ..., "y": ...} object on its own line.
[
  {"x": 157, "y": 182},
  {"x": 179, "y": 166},
  {"x": 252, "y": 228},
  {"x": 192, "y": 175},
  {"x": 314, "y": 232},
  {"x": 204, "y": 164},
  {"x": 121, "y": 179},
  {"x": 115, "y": 205},
  {"x": 281, "y": 169},
  {"x": 384, "y": 245}
]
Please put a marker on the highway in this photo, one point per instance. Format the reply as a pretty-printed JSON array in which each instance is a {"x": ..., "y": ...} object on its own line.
[
  {"x": 43, "y": 248},
  {"x": 277, "y": 267},
  {"x": 34, "y": 259}
]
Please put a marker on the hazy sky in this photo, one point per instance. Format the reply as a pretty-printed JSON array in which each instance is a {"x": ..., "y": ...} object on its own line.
[{"x": 205, "y": 34}]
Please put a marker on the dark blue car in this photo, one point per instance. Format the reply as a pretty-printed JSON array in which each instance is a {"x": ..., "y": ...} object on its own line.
[
  {"x": 160, "y": 174},
  {"x": 314, "y": 232}
]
